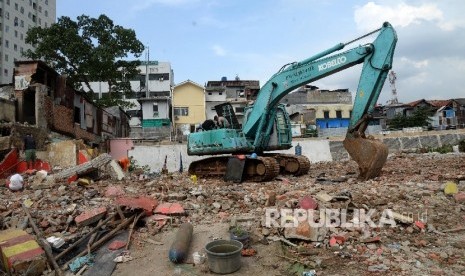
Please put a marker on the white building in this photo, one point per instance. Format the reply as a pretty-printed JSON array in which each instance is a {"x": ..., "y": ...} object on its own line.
[
  {"x": 152, "y": 94},
  {"x": 16, "y": 18}
]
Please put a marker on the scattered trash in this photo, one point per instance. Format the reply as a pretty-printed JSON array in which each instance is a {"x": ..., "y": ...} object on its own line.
[
  {"x": 198, "y": 258},
  {"x": 16, "y": 182},
  {"x": 75, "y": 265},
  {"x": 181, "y": 243},
  {"x": 56, "y": 242},
  {"x": 309, "y": 273},
  {"x": 124, "y": 257},
  {"x": 450, "y": 188}
]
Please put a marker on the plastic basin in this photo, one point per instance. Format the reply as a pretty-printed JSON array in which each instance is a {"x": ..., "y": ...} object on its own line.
[{"x": 224, "y": 256}]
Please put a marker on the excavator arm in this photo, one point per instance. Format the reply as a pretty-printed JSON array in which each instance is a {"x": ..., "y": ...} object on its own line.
[
  {"x": 266, "y": 126},
  {"x": 377, "y": 61}
]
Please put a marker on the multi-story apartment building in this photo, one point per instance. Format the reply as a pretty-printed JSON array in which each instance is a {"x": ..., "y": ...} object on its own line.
[
  {"x": 152, "y": 87},
  {"x": 16, "y": 18}
]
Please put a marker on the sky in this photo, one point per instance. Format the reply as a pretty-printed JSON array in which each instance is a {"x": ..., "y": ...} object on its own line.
[{"x": 205, "y": 40}]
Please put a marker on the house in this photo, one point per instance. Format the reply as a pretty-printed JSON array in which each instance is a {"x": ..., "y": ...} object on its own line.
[
  {"x": 188, "y": 106},
  {"x": 324, "y": 108},
  {"x": 44, "y": 103},
  {"x": 459, "y": 107},
  {"x": 443, "y": 111},
  {"x": 238, "y": 93}
]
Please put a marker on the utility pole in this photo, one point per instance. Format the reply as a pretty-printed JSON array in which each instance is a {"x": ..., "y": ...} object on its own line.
[
  {"x": 147, "y": 74},
  {"x": 392, "y": 81}
]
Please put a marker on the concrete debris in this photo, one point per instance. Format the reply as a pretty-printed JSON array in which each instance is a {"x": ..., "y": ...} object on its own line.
[{"x": 422, "y": 232}]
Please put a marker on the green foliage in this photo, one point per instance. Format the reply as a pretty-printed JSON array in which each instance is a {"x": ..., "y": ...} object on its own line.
[
  {"x": 89, "y": 49},
  {"x": 462, "y": 146},
  {"x": 419, "y": 118},
  {"x": 134, "y": 166},
  {"x": 238, "y": 231},
  {"x": 443, "y": 149}
]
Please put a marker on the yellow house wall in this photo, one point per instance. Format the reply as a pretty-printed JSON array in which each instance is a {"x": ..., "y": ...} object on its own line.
[
  {"x": 193, "y": 97},
  {"x": 332, "y": 108}
]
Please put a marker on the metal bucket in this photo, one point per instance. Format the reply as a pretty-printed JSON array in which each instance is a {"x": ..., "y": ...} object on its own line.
[{"x": 224, "y": 256}]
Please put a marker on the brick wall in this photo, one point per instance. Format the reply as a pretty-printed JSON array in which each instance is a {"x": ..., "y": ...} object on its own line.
[
  {"x": 83, "y": 134},
  {"x": 63, "y": 119}
]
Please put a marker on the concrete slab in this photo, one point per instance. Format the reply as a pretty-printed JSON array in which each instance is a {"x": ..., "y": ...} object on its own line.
[
  {"x": 410, "y": 142},
  {"x": 337, "y": 151},
  {"x": 449, "y": 139},
  {"x": 429, "y": 141}
]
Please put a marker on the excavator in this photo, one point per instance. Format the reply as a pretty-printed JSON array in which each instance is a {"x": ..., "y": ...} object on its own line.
[{"x": 267, "y": 127}]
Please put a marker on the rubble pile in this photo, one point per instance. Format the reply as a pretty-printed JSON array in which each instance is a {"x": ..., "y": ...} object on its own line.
[{"x": 419, "y": 198}]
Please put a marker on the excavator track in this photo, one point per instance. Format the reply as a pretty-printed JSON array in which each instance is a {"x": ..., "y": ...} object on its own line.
[
  {"x": 292, "y": 164},
  {"x": 256, "y": 169}
]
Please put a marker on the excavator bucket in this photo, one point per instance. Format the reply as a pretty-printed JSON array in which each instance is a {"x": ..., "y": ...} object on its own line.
[{"x": 370, "y": 155}]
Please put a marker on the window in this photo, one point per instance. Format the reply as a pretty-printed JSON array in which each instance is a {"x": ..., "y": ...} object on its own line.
[
  {"x": 21, "y": 10},
  {"x": 6, "y": 57},
  {"x": 34, "y": 18},
  {"x": 16, "y": 22},
  {"x": 209, "y": 93},
  {"x": 7, "y": 15},
  {"x": 181, "y": 111},
  {"x": 34, "y": 6},
  {"x": 159, "y": 77},
  {"x": 221, "y": 93},
  {"x": 326, "y": 114},
  {"x": 21, "y": 36},
  {"x": 15, "y": 47},
  {"x": 338, "y": 114},
  {"x": 22, "y": 24},
  {"x": 46, "y": 13},
  {"x": 46, "y": 2},
  {"x": 7, "y": 44},
  {"x": 155, "y": 110},
  {"x": 16, "y": 6},
  {"x": 40, "y": 8},
  {"x": 5, "y": 72},
  {"x": 40, "y": 21},
  {"x": 77, "y": 115},
  {"x": 29, "y": 15},
  {"x": 239, "y": 109},
  {"x": 7, "y": 28},
  {"x": 21, "y": 50},
  {"x": 7, "y": 2},
  {"x": 16, "y": 33}
]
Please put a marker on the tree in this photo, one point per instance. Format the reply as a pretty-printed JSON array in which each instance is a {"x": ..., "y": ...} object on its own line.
[
  {"x": 420, "y": 117},
  {"x": 91, "y": 49}
]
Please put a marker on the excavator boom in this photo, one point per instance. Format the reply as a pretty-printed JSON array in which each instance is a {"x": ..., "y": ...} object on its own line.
[{"x": 266, "y": 126}]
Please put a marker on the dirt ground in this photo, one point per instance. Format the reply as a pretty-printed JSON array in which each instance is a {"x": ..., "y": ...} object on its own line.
[{"x": 432, "y": 243}]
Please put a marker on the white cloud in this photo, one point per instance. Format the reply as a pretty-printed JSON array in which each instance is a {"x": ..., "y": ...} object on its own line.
[
  {"x": 371, "y": 15},
  {"x": 218, "y": 50},
  {"x": 416, "y": 64}
]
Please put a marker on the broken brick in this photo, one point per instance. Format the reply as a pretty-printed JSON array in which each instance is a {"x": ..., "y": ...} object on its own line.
[
  {"x": 115, "y": 245},
  {"x": 420, "y": 224},
  {"x": 142, "y": 202},
  {"x": 460, "y": 197},
  {"x": 114, "y": 191},
  {"x": 308, "y": 203},
  {"x": 21, "y": 254},
  {"x": 170, "y": 209},
  {"x": 90, "y": 216}
]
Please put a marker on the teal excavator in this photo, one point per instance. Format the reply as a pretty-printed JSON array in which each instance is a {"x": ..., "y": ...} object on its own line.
[{"x": 267, "y": 127}]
